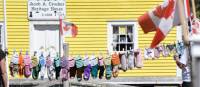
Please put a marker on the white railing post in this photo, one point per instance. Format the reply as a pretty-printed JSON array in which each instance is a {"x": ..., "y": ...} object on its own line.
[{"x": 195, "y": 55}]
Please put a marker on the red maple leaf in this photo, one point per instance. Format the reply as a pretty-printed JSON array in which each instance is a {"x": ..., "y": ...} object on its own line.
[
  {"x": 66, "y": 28},
  {"x": 165, "y": 12}
]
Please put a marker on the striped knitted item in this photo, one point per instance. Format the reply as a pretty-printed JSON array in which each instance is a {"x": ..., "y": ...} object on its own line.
[
  {"x": 93, "y": 60},
  {"x": 34, "y": 61},
  {"x": 94, "y": 71},
  {"x": 123, "y": 62},
  {"x": 107, "y": 60},
  {"x": 87, "y": 72},
  {"x": 100, "y": 61},
  {"x": 71, "y": 62},
  {"x": 108, "y": 72},
  {"x": 57, "y": 61},
  {"x": 115, "y": 59},
  {"x": 79, "y": 62},
  {"x": 139, "y": 60},
  {"x": 131, "y": 61},
  {"x": 86, "y": 60},
  {"x": 15, "y": 58}
]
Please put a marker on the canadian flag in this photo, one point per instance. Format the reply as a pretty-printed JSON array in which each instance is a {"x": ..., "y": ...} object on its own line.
[
  {"x": 68, "y": 29},
  {"x": 74, "y": 30},
  {"x": 162, "y": 19}
]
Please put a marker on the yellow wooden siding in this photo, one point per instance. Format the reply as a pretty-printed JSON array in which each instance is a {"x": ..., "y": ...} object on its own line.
[
  {"x": 92, "y": 16},
  {"x": 17, "y": 26},
  {"x": 1, "y": 10}
]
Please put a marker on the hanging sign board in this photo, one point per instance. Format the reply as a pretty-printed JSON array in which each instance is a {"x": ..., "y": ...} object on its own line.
[{"x": 46, "y": 9}]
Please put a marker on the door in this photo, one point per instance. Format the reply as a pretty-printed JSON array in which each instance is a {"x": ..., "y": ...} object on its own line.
[{"x": 46, "y": 36}]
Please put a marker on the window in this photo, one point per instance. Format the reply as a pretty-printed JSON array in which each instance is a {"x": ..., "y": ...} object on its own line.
[{"x": 122, "y": 36}]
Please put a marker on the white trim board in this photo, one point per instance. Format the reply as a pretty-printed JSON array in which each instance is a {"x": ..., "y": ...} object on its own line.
[{"x": 178, "y": 38}]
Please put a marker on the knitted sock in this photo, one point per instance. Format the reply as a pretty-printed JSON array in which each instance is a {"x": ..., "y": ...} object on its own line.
[
  {"x": 79, "y": 73},
  {"x": 72, "y": 72},
  {"x": 87, "y": 72},
  {"x": 101, "y": 72},
  {"x": 94, "y": 71},
  {"x": 108, "y": 72}
]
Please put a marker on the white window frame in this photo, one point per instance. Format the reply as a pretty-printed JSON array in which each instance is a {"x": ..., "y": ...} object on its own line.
[
  {"x": 110, "y": 31},
  {"x": 32, "y": 28}
]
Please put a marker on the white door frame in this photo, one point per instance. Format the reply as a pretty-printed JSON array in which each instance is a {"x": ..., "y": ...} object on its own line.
[
  {"x": 178, "y": 38},
  {"x": 31, "y": 30}
]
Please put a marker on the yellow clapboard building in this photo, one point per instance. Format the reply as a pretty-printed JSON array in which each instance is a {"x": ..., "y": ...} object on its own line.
[
  {"x": 93, "y": 17},
  {"x": 100, "y": 25}
]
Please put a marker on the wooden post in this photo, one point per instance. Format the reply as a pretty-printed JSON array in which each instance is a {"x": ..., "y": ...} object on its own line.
[
  {"x": 60, "y": 36},
  {"x": 183, "y": 21},
  {"x": 185, "y": 27},
  {"x": 194, "y": 9},
  {"x": 193, "y": 46}
]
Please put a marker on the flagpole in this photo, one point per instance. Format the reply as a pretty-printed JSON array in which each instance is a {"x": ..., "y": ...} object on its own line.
[
  {"x": 183, "y": 22},
  {"x": 185, "y": 31},
  {"x": 194, "y": 64},
  {"x": 193, "y": 9},
  {"x": 60, "y": 27},
  {"x": 5, "y": 39}
]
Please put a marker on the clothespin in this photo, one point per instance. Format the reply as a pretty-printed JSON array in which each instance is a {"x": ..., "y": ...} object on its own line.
[
  {"x": 86, "y": 54},
  {"x": 26, "y": 52},
  {"x": 35, "y": 52},
  {"x": 114, "y": 52},
  {"x": 130, "y": 48},
  {"x": 20, "y": 51},
  {"x": 49, "y": 54},
  {"x": 14, "y": 51},
  {"x": 42, "y": 53},
  {"x": 41, "y": 48},
  {"x": 57, "y": 54},
  {"x": 107, "y": 52},
  {"x": 100, "y": 55}
]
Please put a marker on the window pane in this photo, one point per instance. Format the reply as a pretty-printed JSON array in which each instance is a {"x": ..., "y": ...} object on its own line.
[
  {"x": 122, "y": 47},
  {"x": 130, "y": 38},
  {"x": 115, "y": 38},
  {"x": 122, "y": 38},
  {"x": 130, "y": 46},
  {"x": 115, "y": 30},
  {"x": 129, "y": 29},
  {"x": 130, "y": 33},
  {"x": 122, "y": 29},
  {"x": 117, "y": 47}
]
